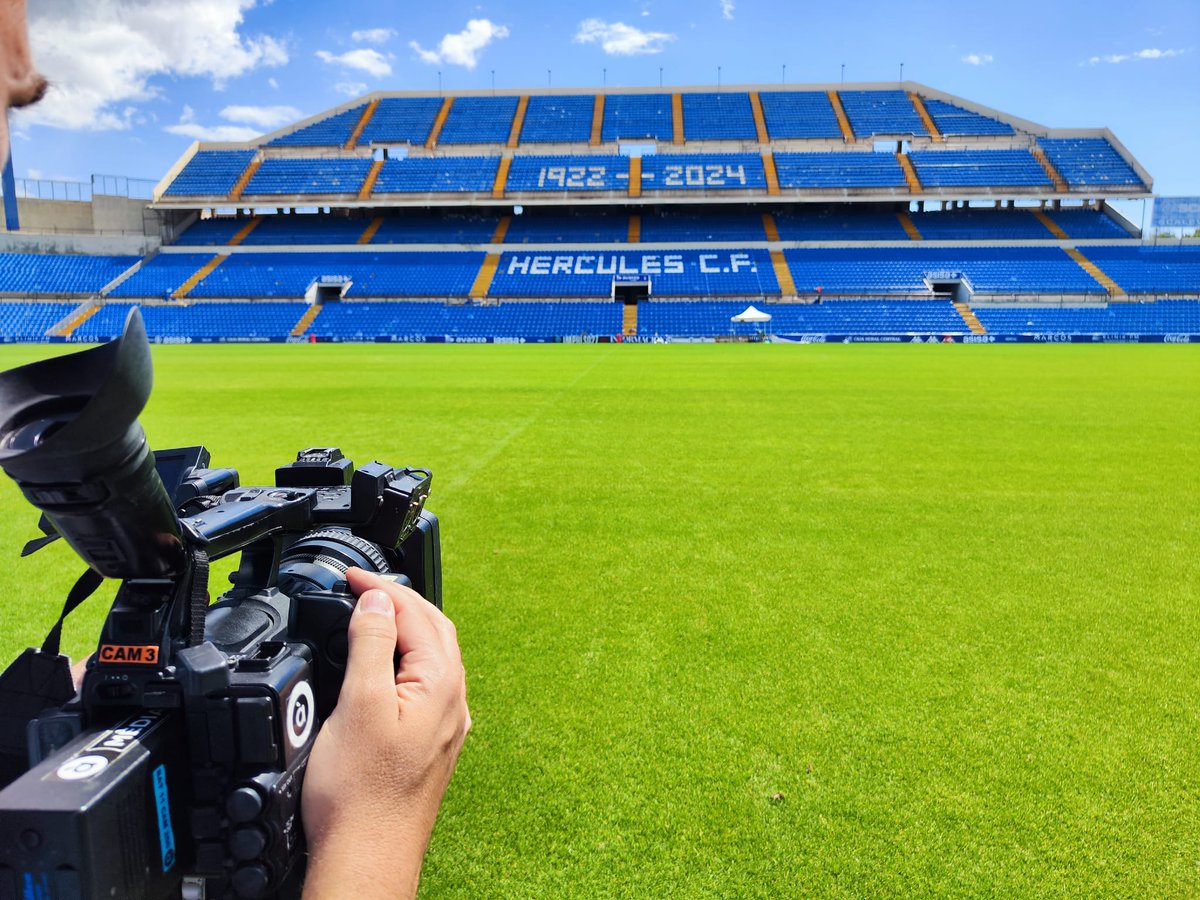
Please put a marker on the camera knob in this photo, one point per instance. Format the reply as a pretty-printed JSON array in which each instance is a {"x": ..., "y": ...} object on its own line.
[
  {"x": 245, "y": 804},
  {"x": 252, "y": 881},
  {"x": 248, "y": 842}
]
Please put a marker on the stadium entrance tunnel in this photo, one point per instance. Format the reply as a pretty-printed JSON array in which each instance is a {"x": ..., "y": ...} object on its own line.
[
  {"x": 953, "y": 286},
  {"x": 325, "y": 288},
  {"x": 631, "y": 291}
]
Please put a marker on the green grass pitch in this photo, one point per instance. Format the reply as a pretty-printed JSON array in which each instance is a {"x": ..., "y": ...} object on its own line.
[{"x": 770, "y": 621}]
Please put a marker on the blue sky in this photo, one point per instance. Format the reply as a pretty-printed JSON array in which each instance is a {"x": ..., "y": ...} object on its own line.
[{"x": 135, "y": 81}]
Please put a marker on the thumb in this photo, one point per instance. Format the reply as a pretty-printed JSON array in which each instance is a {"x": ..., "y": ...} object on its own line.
[{"x": 370, "y": 669}]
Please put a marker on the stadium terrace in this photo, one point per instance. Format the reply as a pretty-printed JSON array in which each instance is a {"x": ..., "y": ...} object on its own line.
[{"x": 856, "y": 212}]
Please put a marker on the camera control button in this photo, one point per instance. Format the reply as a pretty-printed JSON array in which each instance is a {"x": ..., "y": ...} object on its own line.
[
  {"x": 252, "y": 881},
  {"x": 248, "y": 842},
  {"x": 245, "y": 804}
]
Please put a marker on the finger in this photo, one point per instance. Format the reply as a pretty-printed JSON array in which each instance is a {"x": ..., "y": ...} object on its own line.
[
  {"x": 419, "y": 621},
  {"x": 372, "y": 644}
]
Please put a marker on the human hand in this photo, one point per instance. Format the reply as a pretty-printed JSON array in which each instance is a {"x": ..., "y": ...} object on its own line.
[{"x": 383, "y": 759}]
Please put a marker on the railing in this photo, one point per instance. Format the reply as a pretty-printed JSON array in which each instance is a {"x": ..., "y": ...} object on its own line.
[
  {"x": 123, "y": 186},
  {"x": 84, "y": 191}
]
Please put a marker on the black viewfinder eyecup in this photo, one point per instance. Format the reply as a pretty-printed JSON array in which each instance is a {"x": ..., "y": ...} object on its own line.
[{"x": 70, "y": 438}]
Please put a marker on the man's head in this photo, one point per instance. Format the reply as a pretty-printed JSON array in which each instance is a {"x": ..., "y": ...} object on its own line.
[{"x": 20, "y": 83}]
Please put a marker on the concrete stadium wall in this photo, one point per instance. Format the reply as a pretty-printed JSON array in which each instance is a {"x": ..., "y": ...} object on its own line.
[{"x": 97, "y": 244}]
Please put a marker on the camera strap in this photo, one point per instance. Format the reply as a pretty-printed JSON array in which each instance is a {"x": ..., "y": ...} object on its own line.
[{"x": 37, "y": 680}]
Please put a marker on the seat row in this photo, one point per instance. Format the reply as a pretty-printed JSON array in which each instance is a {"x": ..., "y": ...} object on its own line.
[
  {"x": 1094, "y": 163},
  {"x": 811, "y": 222},
  {"x": 705, "y": 116},
  {"x": 371, "y": 320}
]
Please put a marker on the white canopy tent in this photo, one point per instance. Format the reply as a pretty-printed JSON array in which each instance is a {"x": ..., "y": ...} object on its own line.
[{"x": 751, "y": 314}]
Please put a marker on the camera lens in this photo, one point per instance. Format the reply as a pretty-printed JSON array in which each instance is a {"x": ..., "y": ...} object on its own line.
[{"x": 320, "y": 560}]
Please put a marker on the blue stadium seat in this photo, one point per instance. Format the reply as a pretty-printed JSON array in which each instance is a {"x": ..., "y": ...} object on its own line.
[
  {"x": 1088, "y": 161},
  {"x": 161, "y": 276},
  {"x": 881, "y": 112},
  {"x": 308, "y": 176},
  {"x": 799, "y": 114},
  {"x": 375, "y": 274},
  {"x": 689, "y": 225},
  {"x": 1157, "y": 318},
  {"x": 401, "y": 120},
  {"x": 637, "y": 117},
  {"x": 1149, "y": 269},
  {"x": 210, "y": 172},
  {"x": 436, "y": 174},
  {"x": 212, "y": 321},
  {"x": 60, "y": 273},
  {"x": 901, "y": 270},
  {"x": 845, "y": 223},
  {"x": 30, "y": 321},
  {"x": 414, "y": 320},
  {"x": 980, "y": 224},
  {"x": 709, "y": 319},
  {"x": 977, "y": 168},
  {"x": 558, "y": 120},
  {"x": 838, "y": 170},
  {"x": 538, "y": 226},
  {"x": 332, "y": 131},
  {"x": 716, "y": 117},
  {"x": 954, "y": 121},
  {"x": 479, "y": 120}
]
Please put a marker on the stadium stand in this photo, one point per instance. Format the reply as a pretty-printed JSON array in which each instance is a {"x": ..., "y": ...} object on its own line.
[
  {"x": 799, "y": 114},
  {"x": 558, "y": 120},
  {"x": 718, "y": 117},
  {"x": 401, "y": 120},
  {"x": 1162, "y": 317},
  {"x": 851, "y": 214},
  {"x": 308, "y": 176},
  {"x": 686, "y": 319},
  {"x": 702, "y": 171},
  {"x": 903, "y": 270},
  {"x": 435, "y": 175},
  {"x": 881, "y": 112},
  {"x": 210, "y": 172},
  {"x": 568, "y": 173},
  {"x": 952, "y": 120},
  {"x": 838, "y": 170},
  {"x": 332, "y": 131},
  {"x": 637, "y": 117},
  {"x": 359, "y": 320},
  {"x": 30, "y": 274},
  {"x": 30, "y": 321},
  {"x": 977, "y": 168},
  {"x": 479, "y": 120},
  {"x": 1088, "y": 161}
]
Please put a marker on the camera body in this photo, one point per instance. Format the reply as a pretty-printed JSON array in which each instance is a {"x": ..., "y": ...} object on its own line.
[{"x": 183, "y": 753}]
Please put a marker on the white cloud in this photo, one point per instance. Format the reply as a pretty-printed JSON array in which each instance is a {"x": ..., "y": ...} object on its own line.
[
  {"x": 101, "y": 55},
  {"x": 264, "y": 117},
  {"x": 350, "y": 88},
  {"x": 373, "y": 35},
  {"x": 189, "y": 127},
  {"x": 727, "y": 8},
  {"x": 977, "y": 59},
  {"x": 619, "y": 39},
  {"x": 1148, "y": 53},
  {"x": 463, "y": 48},
  {"x": 364, "y": 60},
  {"x": 274, "y": 85}
]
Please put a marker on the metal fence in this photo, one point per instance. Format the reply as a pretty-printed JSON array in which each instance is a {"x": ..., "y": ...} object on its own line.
[{"x": 84, "y": 191}]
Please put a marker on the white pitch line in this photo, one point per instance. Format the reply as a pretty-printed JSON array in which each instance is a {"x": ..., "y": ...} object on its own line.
[{"x": 516, "y": 431}]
